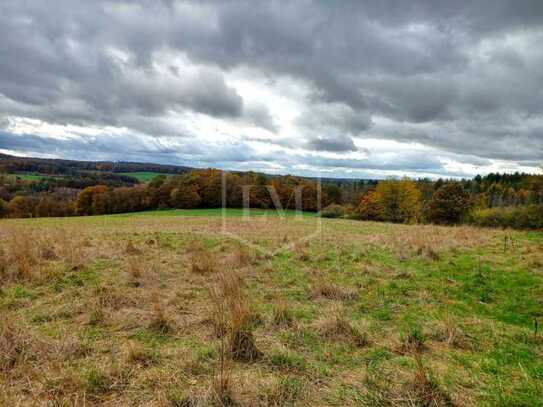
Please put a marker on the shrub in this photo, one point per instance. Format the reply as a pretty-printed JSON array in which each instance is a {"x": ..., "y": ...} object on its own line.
[
  {"x": 449, "y": 204},
  {"x": 523, "y": 217},
  {"x": 333, "y": 211}
]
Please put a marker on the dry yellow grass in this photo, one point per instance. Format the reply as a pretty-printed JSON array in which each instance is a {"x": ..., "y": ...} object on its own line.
[{"x": 161, "y": 311}]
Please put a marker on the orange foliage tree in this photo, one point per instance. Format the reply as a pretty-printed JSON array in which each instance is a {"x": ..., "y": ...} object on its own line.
[{"x": 370, "y": 207}]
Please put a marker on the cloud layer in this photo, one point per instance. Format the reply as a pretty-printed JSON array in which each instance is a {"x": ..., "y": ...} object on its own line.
[{"x": 351, "y": 88}]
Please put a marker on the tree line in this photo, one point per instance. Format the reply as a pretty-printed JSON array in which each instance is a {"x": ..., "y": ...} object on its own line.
[
  {"x": 513, "y": 200},
  {"x": 54, "y": 166},
  {"x": 495, "y": 200}
]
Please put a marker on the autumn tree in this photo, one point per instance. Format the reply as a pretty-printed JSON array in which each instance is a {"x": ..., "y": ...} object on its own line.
[
  {"x": 21, "y": 207},
  {"x": 185, "y": 197},
  {"x": 3, "y": 208},
  {"x": 400, "y": 200},
  {"x": 370, "y": 207},
  {"x": 93, "y": 201},
  {"x": 332, "y": 192},
  {"x": 101, "y": 200},
  {"x": 210, "y": 187},
  {"x": 158, "y": 181},
  {"x": 47, "y": 207},
  {"x": 449, "y": 204},
  {"x": 310, "y": 196},
  {"x": 234, "y": 190}
]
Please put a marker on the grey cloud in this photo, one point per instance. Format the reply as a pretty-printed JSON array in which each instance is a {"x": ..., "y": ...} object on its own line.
[
  {"x": 339, "y": 143},
  {"x": 416, "y": 99},
  {"x": 112, "y": 147},
  {"x": 233, "y": 155},
  {"x": 129, "y": 147},
  {"x": 334, "y": 117},
  {"x": 259, "y": 115},
  {"x": 57, "y": 65},
  {"x": 461, "y": 76},
  {"x": 410, "y": 161},
  {"x": 519, "y": 140}
]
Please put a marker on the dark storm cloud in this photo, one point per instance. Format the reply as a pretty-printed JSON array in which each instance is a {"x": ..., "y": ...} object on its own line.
[
  {"x": 54, "y": 56},
  {"x": 334, "y": 117},
  {"x": 462, "y": 76},
  {"x": 334, "y": 144},
  {"x": 128, "y": 147}
]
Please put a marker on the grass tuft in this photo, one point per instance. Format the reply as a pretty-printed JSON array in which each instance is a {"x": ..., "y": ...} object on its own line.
[
  {"x": 414, "y": 340},
  {"x": 337, "y": 328},
  {"x": 131, "y": 249},
  {"x": 287, "y": 390},
  {"x": 331, "y": 291},
  {"x": 202, "y": 261},
  {"x": 233, "y": 312},
  {"x": 160, "y": 322},
  {"x": 283, "y": 315},
  {"x": 426, "y": 389},
  {"x": 287, "y": 361},
  {"x": 138, "y": 354}
]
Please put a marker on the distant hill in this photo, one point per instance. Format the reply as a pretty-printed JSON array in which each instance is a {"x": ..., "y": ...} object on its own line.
[
  {"x": 143, "y": 172},
  {"x": 53, "y": 166}
]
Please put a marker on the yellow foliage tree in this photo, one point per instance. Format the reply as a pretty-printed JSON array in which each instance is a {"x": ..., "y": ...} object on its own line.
[{"x": 399, "y": 200}]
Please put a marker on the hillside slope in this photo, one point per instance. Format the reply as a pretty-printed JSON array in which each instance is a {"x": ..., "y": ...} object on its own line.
[{"x": 145, "y": 310}]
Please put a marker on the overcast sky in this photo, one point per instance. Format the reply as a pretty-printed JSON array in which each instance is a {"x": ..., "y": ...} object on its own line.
[{"x": 352, "y": 88}]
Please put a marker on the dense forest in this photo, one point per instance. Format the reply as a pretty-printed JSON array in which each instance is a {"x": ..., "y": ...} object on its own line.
[
  {"x": 50, "y": 166},
  {"x": 91, "y": 188}
]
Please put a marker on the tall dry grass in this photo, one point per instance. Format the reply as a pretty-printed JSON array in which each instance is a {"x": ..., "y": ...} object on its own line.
[
  {"x": 232, "y": 313},
  {"x": 431, "y": 241},
  {"x": 25, "y": 251},
  {"x": 19, "y": 255}
]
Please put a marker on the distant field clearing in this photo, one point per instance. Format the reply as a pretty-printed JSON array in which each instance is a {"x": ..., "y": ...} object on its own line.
[{"x": 143, "y": 176}]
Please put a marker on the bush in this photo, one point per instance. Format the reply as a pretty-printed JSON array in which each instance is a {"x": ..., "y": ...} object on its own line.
[
  {"x": 333, "y": 211},
  {"x": 522, "y": 217}
]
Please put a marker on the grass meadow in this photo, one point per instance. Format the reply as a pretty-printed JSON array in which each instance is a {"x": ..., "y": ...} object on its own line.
[
  {"x": 143, "y": 176},
  {"x": 158, "y": 309},
  {"x": 31, "y": 177},
  {"x": 215, "y": 212}
]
